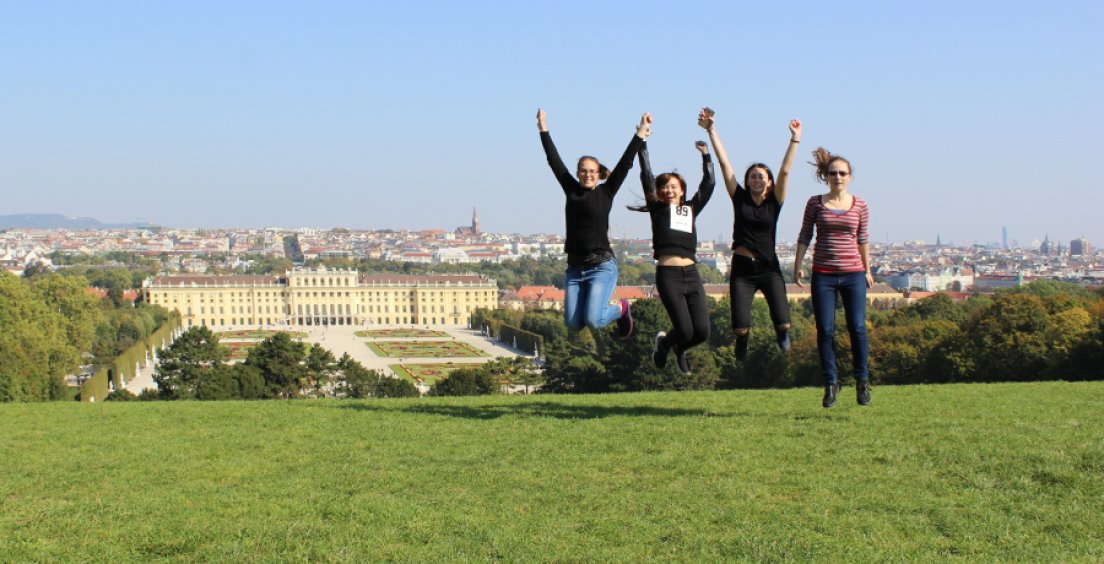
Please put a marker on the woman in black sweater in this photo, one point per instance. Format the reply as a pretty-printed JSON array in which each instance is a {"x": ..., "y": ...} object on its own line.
[
  {"x": 755, "y": 265},
  {"x": 675, "y": 242},
  {"x": 591, "y": 266}
]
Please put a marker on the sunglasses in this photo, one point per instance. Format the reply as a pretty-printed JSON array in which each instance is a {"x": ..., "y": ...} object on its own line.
[{"x": 840, "y": 173}]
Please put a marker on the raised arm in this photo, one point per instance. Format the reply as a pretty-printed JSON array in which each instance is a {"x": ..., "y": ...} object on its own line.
[
  {"x": 781, "y": 186},
  {"x": 647, "y": 179},
  {"x": 705, "y": 189},
  {"x": 619, "y": 172},
  {"x": 706, "y": 121},
  {"x": 559, "y": 170}
]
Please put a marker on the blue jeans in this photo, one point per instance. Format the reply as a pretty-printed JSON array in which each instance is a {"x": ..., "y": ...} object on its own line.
[
  {"x": 587, "y": 294},
  {"x": 851, "y": 287}
]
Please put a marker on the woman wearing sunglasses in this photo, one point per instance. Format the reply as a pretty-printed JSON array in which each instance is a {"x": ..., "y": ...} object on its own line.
[
  {"x": 591, "y": 266},
  {"x": 755, "y": 265},
  {"x": 841, "y": 266},
  {"x": 675, "y": 242}
]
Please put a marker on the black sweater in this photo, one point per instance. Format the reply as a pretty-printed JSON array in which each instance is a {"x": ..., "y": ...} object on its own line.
[
  {"x": 756, "y": 225},
  {"x": 665, "y": 240},
  {"x": 587, "y": 211}
]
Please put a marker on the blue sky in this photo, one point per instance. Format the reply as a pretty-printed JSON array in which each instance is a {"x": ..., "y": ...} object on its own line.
[{"x": 959, "y": 117}]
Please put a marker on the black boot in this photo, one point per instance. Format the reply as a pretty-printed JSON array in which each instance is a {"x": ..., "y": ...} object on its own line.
[
  {"x": 830, "y": 392},
  {"x": 862, "y": 392}
]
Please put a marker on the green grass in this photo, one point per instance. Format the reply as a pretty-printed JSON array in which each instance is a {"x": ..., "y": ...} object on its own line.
[
  {"x": 977, "y": 472},
  {"x": 425, "y": 349}
]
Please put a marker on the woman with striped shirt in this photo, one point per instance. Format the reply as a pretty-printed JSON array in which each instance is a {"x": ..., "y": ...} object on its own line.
[{"x": 841, "y": 266}]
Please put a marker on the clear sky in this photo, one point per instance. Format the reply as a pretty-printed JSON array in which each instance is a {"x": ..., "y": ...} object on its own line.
[{"x": 959, "y": 116}]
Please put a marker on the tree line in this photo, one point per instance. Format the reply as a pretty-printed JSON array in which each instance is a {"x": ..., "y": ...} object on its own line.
[
  {"x": 1043, "y": 331},
  {"x": 195, "y": 367},
  {"x": 51, "y": 325}
]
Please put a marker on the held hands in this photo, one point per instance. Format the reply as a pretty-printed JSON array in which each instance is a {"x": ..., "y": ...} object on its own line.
[
  {"x": 645, "y": 128},
  {"x": 701, "y": 147},
  {"x": 542, "y": 124},
  {"x": 705, "y": 119},
  {"x": 795, "y": 130}
]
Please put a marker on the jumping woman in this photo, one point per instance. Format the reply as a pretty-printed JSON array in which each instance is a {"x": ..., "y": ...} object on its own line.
[
  {"x": 755, "y": 265},
  {"x": 675, "y": 242},
  {"x": 591, "y": 266},
  {"x": 841, "y": 265}
]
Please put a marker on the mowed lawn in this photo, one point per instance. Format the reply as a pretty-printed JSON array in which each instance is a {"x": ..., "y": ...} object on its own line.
[{"x": 980, "y": 472}]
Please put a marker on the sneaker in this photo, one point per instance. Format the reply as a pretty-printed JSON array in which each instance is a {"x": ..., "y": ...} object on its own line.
[
  {"x": 742, "y": 346},
  {"x": 784, "y": 339},
  {"x": 625, "y": 322},
  {"x": 862, "y": 392},
  {"x": 659, "y": 352},
  {"x": 683, "y": 363},
  {"x": 830, "y": 392}
]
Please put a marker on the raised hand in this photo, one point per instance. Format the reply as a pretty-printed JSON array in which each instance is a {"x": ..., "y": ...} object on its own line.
[
  {"x": 705, "y": 118},
  {"x": 701, "y": 147},
  {"x": 645, "y": 128},
  {"x": 795, "y": 129},
  {"x": 542, "y": 124}
]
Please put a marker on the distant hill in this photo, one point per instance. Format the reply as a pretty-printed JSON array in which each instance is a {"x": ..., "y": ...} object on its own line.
[{"x": 58, "y": 221}]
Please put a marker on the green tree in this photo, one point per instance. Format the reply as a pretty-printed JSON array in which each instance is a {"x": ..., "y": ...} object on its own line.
[
  {"x": 281, "y": 363},
  {"x": 573, "y": 368},
  {"x": 35, "y": 351},
  {"x": 466, "y": 382},
  {"x": 359, "y": 382},
  {"x": 321, "y": 368},
  {"x": 191, "y": 362},
  {"x": 395, "y": 388}
]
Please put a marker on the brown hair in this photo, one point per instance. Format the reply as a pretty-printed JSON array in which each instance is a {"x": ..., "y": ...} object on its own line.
[
  {"x": 822, "y": 159},
  {"x": 603, "y": 172}
]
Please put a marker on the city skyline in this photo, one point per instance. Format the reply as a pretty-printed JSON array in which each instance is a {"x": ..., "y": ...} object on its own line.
[{"x": 958, "y": 118}]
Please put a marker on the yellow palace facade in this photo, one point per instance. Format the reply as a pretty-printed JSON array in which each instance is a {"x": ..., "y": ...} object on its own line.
[{"x": 322, "y": 297}]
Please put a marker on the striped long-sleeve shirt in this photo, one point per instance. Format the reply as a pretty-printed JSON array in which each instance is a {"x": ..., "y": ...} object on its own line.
[{"x": 838, "y": 236}]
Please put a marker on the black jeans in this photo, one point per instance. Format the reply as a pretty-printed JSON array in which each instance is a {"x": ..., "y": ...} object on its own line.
[
  {"x": 683, "y": 296},
  {"x": 750, "y": 275}
]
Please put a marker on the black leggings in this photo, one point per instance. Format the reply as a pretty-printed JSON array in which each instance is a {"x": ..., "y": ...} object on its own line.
[
  {"x": 749, "y": 275},
  {"x": 683, "y": 296}
]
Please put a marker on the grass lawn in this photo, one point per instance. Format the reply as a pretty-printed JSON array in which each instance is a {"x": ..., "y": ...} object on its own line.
[
  {"x": 427, "y": 374},
  {"x": 996, "y": 472},
  {"x": 425, "y": 349},
  {"x": 399, "y": 333}
]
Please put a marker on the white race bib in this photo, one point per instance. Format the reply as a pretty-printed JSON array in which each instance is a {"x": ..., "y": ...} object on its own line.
[{"x": 682, "y": 219}]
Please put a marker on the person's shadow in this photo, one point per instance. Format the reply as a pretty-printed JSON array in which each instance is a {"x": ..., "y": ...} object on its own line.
[{"x": 539, "y": 409}]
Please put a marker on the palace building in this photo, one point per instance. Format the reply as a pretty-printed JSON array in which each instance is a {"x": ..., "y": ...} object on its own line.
[{"x": 322, "y": 297}]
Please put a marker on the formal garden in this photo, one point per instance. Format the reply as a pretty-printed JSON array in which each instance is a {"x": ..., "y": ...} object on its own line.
[
  {"x": 400, "y": 333},
  {"x": 425, "y": 349},
  {"x": 425, "y": 374},
  {"x": 257, "y": 334}
]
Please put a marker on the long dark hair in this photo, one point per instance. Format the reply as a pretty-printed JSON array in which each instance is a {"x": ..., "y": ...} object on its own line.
[
  {"x": 661, "y": 180},
  {"x": 754, "y": 166}
]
